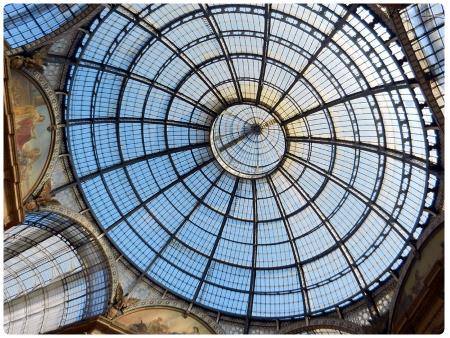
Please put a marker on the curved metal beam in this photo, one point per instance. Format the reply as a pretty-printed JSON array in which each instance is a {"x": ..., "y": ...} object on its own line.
[
  {"x": 341, "y": 245},
  {"x": 367, "y": 92},
  {"x": 160, "y": 192},
  {"x": 146, "y": 157},
  {"x": 397, "y": 227},
  {"x": 223, "y": 46},
  {"x": 100, "y": 120},
  {"x": 251, "y": 294},
  {"x": 412, "y": 160},
  {"x": 339, "y": 24},
  {"x": 267, "y": 15},
  {"x": 173, "y": 235},
  {"x": 126, "y": 13},
  {"x": 216, "y": 242},
  {"x": 295, "y": 253},
  {"x": 53, "y": 58}
]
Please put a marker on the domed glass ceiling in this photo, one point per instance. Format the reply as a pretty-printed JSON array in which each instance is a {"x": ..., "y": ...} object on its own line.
[{"x": 262, "y": 161}]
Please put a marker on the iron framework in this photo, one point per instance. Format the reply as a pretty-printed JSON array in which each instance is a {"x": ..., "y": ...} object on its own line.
[
  {"x": 55, "y": 274},
  {"x": 327, "y": 226}
]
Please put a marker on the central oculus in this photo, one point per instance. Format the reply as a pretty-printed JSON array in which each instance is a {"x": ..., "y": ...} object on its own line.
[{"x": 247, "y": 141}]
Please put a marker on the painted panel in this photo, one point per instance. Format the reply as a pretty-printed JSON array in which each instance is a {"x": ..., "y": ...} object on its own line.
[
  {"x": 33, "y": 135},
  {"x": 160, "y": 320}
]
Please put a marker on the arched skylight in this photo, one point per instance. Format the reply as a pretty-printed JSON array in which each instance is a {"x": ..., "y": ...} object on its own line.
[
  {"x": 25, "y": 23},
  {"x": 262, "y": 161},
  {"x": 55, "y": 274}
]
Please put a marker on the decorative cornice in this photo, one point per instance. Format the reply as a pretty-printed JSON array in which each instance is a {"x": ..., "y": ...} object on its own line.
[{"x": 320, "y": 323}]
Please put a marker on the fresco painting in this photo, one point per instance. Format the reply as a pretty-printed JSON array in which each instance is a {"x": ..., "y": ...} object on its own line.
[
  {"x": 162, "y": 321},
  {"x": 33, "y": 134}
]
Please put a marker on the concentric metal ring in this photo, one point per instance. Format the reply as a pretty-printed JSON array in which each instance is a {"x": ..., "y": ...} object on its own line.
[{"x": 247, "y": 141}]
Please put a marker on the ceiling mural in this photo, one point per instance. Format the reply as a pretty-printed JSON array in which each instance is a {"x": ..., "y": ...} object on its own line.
[
  {"x": 162, "y": 320},
  {"x": 33, "y": 133}
]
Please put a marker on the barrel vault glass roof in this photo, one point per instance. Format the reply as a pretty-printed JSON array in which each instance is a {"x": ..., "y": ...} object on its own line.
[
  {"x": 25, "y": 23},
  {"x": 321, "y": 229}
]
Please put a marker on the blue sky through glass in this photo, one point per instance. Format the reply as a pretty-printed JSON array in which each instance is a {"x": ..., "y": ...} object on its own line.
[
  {"x": 25, "y": 23},
  {"x": 323, "y": 227}
]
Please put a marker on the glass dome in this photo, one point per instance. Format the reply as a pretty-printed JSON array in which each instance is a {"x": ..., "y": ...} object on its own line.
[{"x": 261, "y": 161}]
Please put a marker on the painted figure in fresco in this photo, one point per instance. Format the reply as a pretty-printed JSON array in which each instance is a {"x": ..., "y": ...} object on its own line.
[
  {"x": 26, "y": 119},
  {"x": 158, "y": 326},
  {"x": 33, "y": 137}
]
